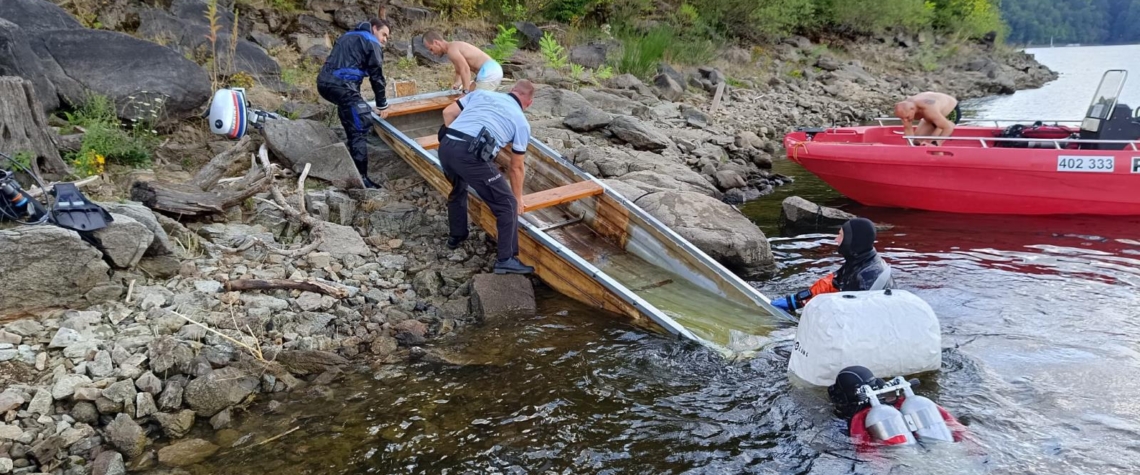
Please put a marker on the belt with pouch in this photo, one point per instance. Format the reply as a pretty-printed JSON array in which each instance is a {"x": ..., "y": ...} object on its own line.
[{"x": 482, "y": 145}]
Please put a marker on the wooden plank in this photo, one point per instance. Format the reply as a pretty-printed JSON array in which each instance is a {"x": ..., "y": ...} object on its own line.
[
  {"x": 562, "y": 194},
  {"x": 425, "y": 105},
  {"x": 716, "y": 97},
  {"x": 429, "y": 142}
]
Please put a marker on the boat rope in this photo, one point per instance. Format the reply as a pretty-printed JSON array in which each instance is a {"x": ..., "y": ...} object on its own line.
[{"x": 796, "y": 151}]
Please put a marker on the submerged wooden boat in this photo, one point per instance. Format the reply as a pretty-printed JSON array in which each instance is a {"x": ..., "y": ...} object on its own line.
[{"x": 588, "y": 242}]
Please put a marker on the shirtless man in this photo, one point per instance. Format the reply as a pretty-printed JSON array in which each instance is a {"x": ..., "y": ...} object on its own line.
[
  {"x": 466, "y": 58},
  {"x": 938, "y": 113}
]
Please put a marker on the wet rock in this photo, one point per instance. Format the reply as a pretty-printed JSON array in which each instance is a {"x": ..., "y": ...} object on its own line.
[
  {"x": 65, "y": 386},
  {"x": 805, "y": 215},
  {"x": 410, "y": 332},
  {"x": 587, "y": 119},
  {"x": 171, "y": 397},
  {"x": 220, "y": 389},
  {"x": 221, "y": 420},
  {"x": 126, "y": 436},
  {"x": 175, "y": 425},
  {"x": 531, "y": 35},
  {"x": 383, "y": 346},
  {"x": 309, "y": 362},
  {"x": 47, "y": 266},
  {"x": 638, "y": 134},
  {"x": 186, "y": 452},
  {"x": 729, "y": 179},
  {"x": 297, "y": 142},
  {"x": 714, "y": 227},
  {"x": 109, "y": 462},
  {"x": 502, "y": 296},
  {"x": 667, "y": 88}
]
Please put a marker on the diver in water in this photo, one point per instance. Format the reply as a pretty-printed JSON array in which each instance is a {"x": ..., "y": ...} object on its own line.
[{"x": 862, "y": 269}]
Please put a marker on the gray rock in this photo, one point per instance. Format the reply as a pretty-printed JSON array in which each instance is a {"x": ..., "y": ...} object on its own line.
[
  {"x": 384, "y": 345},
  {"x": 124, "y": 241},
  {"x": 10, "y": 432},
  {"x": 297, "y": 142},
  {"x": 309, "y": 362},
  {"x": 187, "y": 34},
  {"x": 125, "y": 435},
  {"x": 342, "y": 241},
  {"x": 66, "y": 385},
  {"x": 424, "y": 55},
  {"x": 41, "y": 403},
  {"x": 149, "y": 383},
  {"x": 186, "y": 452},
  {"x": 6, "y": 465},
  {"x": 502, "y": 296},
  {"x": 161, "y": 245},
  {"x": 587, "y": 119},
  {"x": 65, "y": 337},
  {"x": 11, "y": 400},
  {"x": 166, "y": 354},
  {"x": 221, "y": 420},
  {"x": 714, "y": 227},
  {"x": 20, "y": 60},
  {"x": 638, "y": 134},
  {"x": 10, "y": 338},
  {"x": 208, "y": 286},
  {"x": 144, "y": 405},
  {"x": 85, "y": 412},
  {"x": 694, "y": 117},
  {"x": 610, "y": 101},
  {"x": 310, "y": 301},
  {"x": 101, "y": 366},
  {"x": 175, "y": 425},
  {"x": 26, "y": 327},
  {"x": 665, "y": 69},
  {"x": 266, "y": 40},
  {"x": 531, "y": 35},
  {"x": 555, "y": 102},
  {"x": 427, "y": 283},
  {"x": 592, "y": 55},
  {"x": 828, "y": 63},
  {"x": 121, "y": 394},
  {"x": 171, "y": 397},
  {"x": 729, "y": 179},
  {"x": 109, "y": 462},
  {"x": 667, "y": 88},
  {"x": 747, "y": 139},
  {"x": 86, "y": 394},
  {"x": 47, "y": 266},
  {"x": 802, "y": 214},
  {"x": 218, "y": 390}
]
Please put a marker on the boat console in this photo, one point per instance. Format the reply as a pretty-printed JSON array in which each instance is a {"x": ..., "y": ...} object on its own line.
[{"x": 1107, "y": 119}]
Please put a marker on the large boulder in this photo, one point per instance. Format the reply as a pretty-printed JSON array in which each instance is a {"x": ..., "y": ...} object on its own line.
[
  {"x": 587, "y": 119},
  {"x": 610, "y": 102},
  {"x": 592, "y": 55},
  {"x": 555, "y": 102},
  {"x": 209, "y": 394},
  {"x": 297, "y": 142},
  {"x": 188, "y": 33},
  {"x": 124, "y": 241},
  {"x": 161, "y": 245},
  {"x": 423, "y": 54},
  {"x": 531, "y": 34},
  {"x": 804, "y": 215},
  {"x": 37, "y": 15},
  {"x": 47, "y": 266},
  {"x": 714, "y": 227},
  {"x": 501, "y": 296},
  {"x": 639, "y": 135},
  {"x": 17, "y": 59}
]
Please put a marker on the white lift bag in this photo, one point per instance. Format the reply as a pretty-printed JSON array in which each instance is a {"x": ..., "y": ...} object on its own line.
[{"x": 891, "y": 332}]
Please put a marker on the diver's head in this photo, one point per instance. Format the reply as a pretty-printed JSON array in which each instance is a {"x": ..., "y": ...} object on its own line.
[
  {"x": 856, "y": 238},
  {"x": 844, "y": 394}
]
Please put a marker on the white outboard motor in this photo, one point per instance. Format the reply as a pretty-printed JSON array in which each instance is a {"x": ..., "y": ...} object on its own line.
[
  {"x": 884, "y": 422},
  {"x": 887, "y": 331},
  {"x": 922, "y": 415},
  {"x": 230, "y": 114}
]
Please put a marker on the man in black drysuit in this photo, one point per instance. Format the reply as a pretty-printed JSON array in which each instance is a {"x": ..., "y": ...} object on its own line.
[{"x": 356, "y": 55}]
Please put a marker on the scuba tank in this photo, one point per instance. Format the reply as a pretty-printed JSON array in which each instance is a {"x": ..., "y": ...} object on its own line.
[
  {"x": 922, "y": 415},
  {"x": 884, "y": 422}
]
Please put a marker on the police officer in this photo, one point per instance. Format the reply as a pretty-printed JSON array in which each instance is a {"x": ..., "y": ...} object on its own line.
[
  {"x": 475, "y": 128},
  {"x": 356, "y": 55}
]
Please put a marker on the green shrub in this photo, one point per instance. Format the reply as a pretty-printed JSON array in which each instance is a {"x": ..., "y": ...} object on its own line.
[
  {"x": 512, "y": 11},
  {"x": 574, "y": 11},
  {"x": 552, "y": 52},
  {"x": 641, "y": 52},
  {"x": 106, "y": 137},
  {"x": 757, "y": 19},
  {"x": 504, "y": 45},
  {"x": 604, "y": 72},
  {"x": 875, "y": 16},
  {"x": 970, "y": 18}
]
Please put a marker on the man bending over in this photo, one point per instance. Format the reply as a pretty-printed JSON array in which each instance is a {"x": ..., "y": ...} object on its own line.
[
  {"x": 466, "y": 58},
  {"x": 938, "y": 113}
]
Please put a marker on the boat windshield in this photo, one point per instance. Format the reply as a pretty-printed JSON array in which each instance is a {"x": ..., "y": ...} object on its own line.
[{"x": 1107, "y": 94}]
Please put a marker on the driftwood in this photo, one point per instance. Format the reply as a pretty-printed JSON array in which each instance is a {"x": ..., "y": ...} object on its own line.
[
  {"x": 275, "y": 284},
  {"x": 196, "y": 197},
  {"x": 24, "y": 128}
]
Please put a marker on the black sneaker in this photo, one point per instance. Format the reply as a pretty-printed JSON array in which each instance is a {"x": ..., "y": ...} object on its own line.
[
  {"x": 368, "y": 184},
  {"x": 454, "y": 242},
  {"x": 512, "y": 266}
]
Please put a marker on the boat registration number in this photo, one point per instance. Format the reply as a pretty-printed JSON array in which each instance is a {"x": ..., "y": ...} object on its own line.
[{"x": 1073, "y": 163}]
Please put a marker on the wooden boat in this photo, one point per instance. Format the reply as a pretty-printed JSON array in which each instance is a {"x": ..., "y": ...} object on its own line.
[
  {"x": 1091, "y": 167},
  {"x": 588, "y": 242}
]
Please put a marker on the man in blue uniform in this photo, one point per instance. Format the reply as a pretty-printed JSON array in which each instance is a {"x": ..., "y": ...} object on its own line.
[
  {"x": 475, "y": 128},
  {"x": 356, "y": 55}
]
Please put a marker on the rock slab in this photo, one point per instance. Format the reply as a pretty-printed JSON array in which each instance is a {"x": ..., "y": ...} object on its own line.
[
  {"x": 47, "y": 266},
  {"x": 804, "y": 215},
  {"x": 502, "y": 296},
  {"x": 297, "y": 142}
]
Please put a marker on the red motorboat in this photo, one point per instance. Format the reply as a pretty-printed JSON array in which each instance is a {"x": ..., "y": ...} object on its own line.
[{"x": 1091, "y": 167}]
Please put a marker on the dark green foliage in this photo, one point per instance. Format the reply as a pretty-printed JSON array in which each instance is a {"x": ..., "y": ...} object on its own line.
[{"x": 1072, "y": 21}]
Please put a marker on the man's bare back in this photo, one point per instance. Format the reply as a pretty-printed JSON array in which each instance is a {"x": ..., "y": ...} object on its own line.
[
  {"x": 936, "y": 112},
  {"x": 473, "y": 67}
]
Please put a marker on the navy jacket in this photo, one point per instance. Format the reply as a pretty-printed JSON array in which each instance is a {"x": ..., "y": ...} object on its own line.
[{"x": 356, "y": 55}]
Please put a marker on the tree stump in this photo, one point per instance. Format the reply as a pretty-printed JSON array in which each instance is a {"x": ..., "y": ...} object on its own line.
[{"x": 23, "y": 127}]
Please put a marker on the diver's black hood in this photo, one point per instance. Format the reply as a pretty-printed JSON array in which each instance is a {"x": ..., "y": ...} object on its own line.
[{"x": 857, "y": 248}]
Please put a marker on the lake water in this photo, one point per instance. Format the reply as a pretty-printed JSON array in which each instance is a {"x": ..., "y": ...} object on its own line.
[{"x": 1040, "y": 320}]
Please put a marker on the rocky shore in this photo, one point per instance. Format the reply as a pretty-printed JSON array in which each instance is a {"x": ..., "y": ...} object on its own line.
[{"x": 111, "y": 356}]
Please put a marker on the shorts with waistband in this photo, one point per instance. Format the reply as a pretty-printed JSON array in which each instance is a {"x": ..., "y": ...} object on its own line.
[{"x": 490, "y": 75}]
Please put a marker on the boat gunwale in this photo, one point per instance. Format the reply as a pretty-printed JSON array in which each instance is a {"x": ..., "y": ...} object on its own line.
[{"x": 659, "y": 317}]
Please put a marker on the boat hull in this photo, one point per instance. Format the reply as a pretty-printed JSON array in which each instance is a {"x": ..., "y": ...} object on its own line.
[{"x": 964, "y": 177}]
